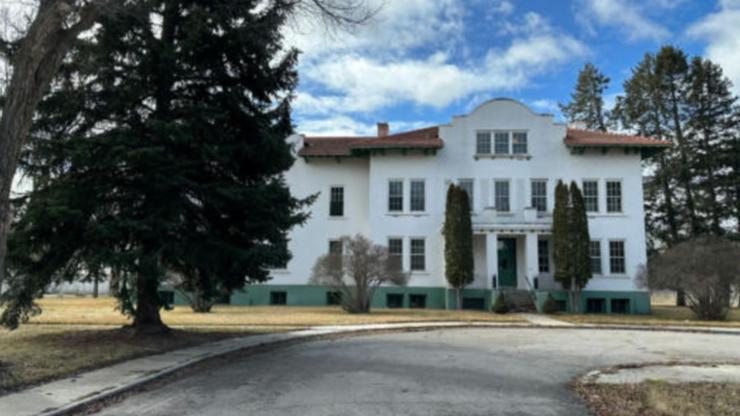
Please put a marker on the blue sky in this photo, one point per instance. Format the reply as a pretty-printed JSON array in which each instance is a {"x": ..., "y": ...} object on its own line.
[{"x": 419, "y": 62}]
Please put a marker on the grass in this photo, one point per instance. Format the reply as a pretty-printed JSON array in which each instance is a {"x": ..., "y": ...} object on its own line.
[
  {"x": 101, "y": 311},
  {"x": 662, "y": 315},
  {"x": 656, "y": 398},
  {"x": 74, "y": 334},
  {"x": 38, "y": 353}
]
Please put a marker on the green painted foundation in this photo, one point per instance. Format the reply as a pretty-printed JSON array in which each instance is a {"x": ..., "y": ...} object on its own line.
[{"x": 631, "y": 302}]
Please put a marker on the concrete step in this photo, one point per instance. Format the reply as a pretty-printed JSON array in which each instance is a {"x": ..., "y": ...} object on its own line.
[{"x": 519, "y": 300}]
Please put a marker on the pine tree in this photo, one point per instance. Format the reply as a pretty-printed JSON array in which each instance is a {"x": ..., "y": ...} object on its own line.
[
  {"x": 587, "y": 102},
  {"x": 458, "y": 234},
  {"x": 562, "y": 243},
  {"x": 161, "y": 151},
  {"x": 712, "y": 134}
]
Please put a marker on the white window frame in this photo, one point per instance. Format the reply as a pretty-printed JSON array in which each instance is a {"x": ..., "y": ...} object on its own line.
[
  {"x": 403, "y": 246},
  {"x": 598, "y": 195},
  {"x": 490, "y": 142},
  {"x": 388, "y": 197},
  {"x": 411, "y": 254},
  {"x": 344, "y": 201},
  {"x": 495, "y": 194},
  {"x": 621, "y": 195},
  {"x": 624, "y": 256},
  {"x": 335, "y": 240},
  {"x": 531, "y": 194},
  {"x": 526, "y": 142},
  {"x": 508, "y": 143},
  {"x": 601, "y": 256},
  {"x": 423, "y": 195}
]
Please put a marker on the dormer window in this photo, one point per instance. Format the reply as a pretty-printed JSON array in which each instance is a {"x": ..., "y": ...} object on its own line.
[
  {"x": 519, "y": 143},
  {"x": 501, "y": 144}
]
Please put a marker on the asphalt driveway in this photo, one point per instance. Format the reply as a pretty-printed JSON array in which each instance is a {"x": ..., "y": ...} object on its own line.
[{"x": 445, "y": 372}]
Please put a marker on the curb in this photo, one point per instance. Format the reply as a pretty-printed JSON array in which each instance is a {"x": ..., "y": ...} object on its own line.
[{"x": 317, "y": 333}]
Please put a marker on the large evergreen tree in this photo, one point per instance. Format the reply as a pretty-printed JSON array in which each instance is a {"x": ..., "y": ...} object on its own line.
[
  {"x": 712, "y": 137},
  {"x": 587, "y": 101},
  {"x": 162, "y": 151},
  {"x": 458, "y": 235}
]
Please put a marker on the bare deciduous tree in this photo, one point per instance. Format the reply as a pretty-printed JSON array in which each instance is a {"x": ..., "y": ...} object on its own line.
[
  {"x": 358, "y": 271},
  {"x": 705, "y": 269}
]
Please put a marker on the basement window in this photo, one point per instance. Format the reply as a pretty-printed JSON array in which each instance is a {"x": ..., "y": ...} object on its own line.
[
  {"x": 418, "y": 301},
  {"x": 333, "y": 298},
  {"x": 278, "y": 298},
  {"x": 620, "y": 306},
  {"x": 595, "y": 305},
  {"x": 394, "y": 300}
]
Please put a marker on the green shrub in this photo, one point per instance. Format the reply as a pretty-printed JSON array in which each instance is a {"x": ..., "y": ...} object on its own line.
[
  {"x": 550, "y": 306},
  {"x": 501, "y": 306}
]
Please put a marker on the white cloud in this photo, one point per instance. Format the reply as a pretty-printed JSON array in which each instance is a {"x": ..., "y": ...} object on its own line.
[
  {"x": 722, "y": 33},
  {"x": 626, "y": 15},
  {"x": 342, "y": 125},
  {"x": 550, "y": 106},
  {"x": 361, "y": 82}
]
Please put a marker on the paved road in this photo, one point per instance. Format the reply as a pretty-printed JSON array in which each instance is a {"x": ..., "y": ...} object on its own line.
[{"x": 446, "y": 372}]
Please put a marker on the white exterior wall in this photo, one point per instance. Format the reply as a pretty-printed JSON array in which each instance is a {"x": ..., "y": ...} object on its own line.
[{"x": 365, "y": 181}]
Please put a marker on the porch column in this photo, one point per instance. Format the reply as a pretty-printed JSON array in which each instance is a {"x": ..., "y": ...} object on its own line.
[
  {"x": 531, "y": 258},
  {"x": 491, "y": 258}
]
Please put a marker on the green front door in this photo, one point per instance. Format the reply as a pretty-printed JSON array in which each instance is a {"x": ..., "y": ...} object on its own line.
[{"x": 507, "y": 262}]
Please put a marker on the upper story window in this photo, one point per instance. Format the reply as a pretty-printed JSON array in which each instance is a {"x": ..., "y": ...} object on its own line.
[
  {"x": 613, "y": 196},
  {"x": 418, "y": 202},
  {"x": 501, "y": 195},
  {"x": 336, "y": 201},
  {"x": 519, "y": 143},
  {"x": 501, "y": 143},
  {"x": 467, "y": 186},
  {"x": 335, "y": 247},
  {"x": 539, "y": 194},
  {"x": 483, "y": 142},
  {"x": 418, "y": 255},
  {"x": 395, "y": 195},
  {"x": 591, "y": 195}
]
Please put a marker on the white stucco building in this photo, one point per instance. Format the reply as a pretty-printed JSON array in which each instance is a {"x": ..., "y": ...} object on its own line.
[{"x": 392, "y": 189}]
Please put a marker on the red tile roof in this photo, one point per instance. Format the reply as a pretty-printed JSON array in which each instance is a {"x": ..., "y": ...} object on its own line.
[
  {"x": 426, "y": 138},
  {"x": 592, "y": 138}
]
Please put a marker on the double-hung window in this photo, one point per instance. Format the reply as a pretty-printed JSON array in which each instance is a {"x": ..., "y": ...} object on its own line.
[
  {"x": 418, "y": 255},
  {"x": 616, "y": 257},
  {"x": 594, "y": 249},
  {"x": 543, "y": 256},
  {"x": 335, "y": 247},
  {"x": 613, "y": 196},
  {"x": 539, "y": 194},
  {"x": 591, "y": 195},
  {"x": 336, "y": 201},
  {"x": 483, "y": 143},
  {"x": 519, "y": 143},
  {"x": 467, "y": 186},
  {"x": 501, "y": 195},
  {"x": 418, "y": 202},
  {"x": 501, "y": 143},
  {"x": 395, "y": 252},
  {"x": 395, "y": 195}
]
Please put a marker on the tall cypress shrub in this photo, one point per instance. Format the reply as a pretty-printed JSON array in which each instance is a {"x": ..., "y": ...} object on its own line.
[
  {"x": 562, "y": 251},
  {"x": 458, "y": 234},
  {"x": 581, "y": 241}
]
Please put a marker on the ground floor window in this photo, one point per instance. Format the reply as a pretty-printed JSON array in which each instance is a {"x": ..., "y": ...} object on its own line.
[
  {"x": 418, "y": 257},
  {"x": 278, "y": 298},
  {"x": 616, "y": 257},
  {"x": 595, "y": 305},
  {"x": 394, "y": 300},
  {"x": 417, "y": 301},
  {"x": 333, "y": 298},
  {"x": 543, "y": 256},
  {"x": 620, "y": 306}
]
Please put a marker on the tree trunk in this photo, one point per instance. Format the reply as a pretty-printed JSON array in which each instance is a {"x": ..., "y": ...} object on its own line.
[
  {"x": 96, "y": 281},
  {"x": 458, "y": 293},
  {"x": 146, "y": 317},
  {"x": 35, "y": 63},
  {"x": 680, "y": 298},
  {"x": 574, "y": 306}
]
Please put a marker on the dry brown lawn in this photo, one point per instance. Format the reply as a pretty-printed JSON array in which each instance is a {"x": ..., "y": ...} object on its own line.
[
  {"x": 662, "y": 316},
  {"x": 37, "y": 353},
  {"x": 655, "y": 398},
  {"x": 102, "y": 311}
]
